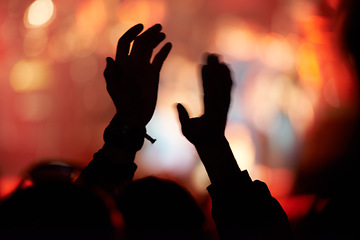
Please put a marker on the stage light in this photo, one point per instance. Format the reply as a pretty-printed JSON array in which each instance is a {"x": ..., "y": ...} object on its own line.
[
  {"x": 39, "y": 13},
  {"x": 29, "y": 75},
  {"x": 236, "y": 39},
  {"x": 308, "y": 67}
]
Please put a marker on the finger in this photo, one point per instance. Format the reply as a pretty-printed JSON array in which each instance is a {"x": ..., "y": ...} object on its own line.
[
  {"x": 216, "y": 77},
  {"x": 209, "y": 89},
  {"x": 183, "y": 114},
  {"x": 212, "y": 59},
  {"x": 108, "y": 72},
  {"x": 209, "y": 80},
  {"x": 217, "y": 84},
  {"x": 161, "y": 56},
  {"x": 157, "y": 40},
  {"x": 143, "y": 42},
  {"x": 125, "y": 40},
  {"x": 225, "y": 74}
]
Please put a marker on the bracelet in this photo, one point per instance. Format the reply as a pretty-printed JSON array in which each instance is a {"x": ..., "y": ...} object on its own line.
[
  {"x": 125, "y": 136},
  {"x": 152, "y": 140}
]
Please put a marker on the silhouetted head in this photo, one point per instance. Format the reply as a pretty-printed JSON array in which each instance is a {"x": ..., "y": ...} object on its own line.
[
  {"x": 57, "y": 210},
  {"x": 160, "y": 209}
]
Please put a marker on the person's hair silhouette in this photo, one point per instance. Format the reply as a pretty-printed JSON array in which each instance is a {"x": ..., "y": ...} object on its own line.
[
  {"x": 155, "y": 208},
  {"x": 54, "y": 208}
]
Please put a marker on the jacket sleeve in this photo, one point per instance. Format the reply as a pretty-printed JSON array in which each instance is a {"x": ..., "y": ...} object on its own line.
[
  {"x": 106, "y": 173},
  {"x": 245, "y": 209}
]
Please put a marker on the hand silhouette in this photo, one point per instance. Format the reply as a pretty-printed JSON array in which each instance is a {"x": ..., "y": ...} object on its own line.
[
  {"x": 217, "y": 85},
  {"x": 132, "y": 80}
]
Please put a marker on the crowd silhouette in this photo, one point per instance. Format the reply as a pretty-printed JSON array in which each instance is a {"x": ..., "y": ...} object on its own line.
[{"x": 104, "y": 202}]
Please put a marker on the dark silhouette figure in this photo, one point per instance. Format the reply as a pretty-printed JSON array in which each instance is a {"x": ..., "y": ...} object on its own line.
[
  {"x": 160, "y": 209},
  {"x": 56, "y": 209}
]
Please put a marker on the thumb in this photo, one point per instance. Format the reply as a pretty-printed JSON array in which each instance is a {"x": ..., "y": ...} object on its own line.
[
  {"x": 109, "y": 60},
  {"x": 109, "y": 67},
  {"x": 183, "y": 114}
]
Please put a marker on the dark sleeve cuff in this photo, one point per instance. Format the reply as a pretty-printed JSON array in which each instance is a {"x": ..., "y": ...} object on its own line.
[
  {"x": 242, "y": 208},
  {"x": 107, "y": 174},
  {"x": 241, "y": 180}
]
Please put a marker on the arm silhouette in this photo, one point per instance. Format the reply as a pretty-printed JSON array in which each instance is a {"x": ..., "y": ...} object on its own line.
[
  {"x": 241, "y": 208},
  {"x": 132, "y": 81},
  {"x": 207, "y": 132}
]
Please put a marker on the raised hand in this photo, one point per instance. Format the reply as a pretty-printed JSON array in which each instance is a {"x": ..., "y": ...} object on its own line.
[
  {"x": 132, "y": 79},
  {"x": 217, "y": 88},
  {"x": 207, "y": 132}
]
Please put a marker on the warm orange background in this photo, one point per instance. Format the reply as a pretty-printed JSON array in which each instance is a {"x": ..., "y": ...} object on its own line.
[{"x": 291, "y": 76}]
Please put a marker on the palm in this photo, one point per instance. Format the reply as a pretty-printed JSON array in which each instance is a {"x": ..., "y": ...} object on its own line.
[
  {"x": 132, "y": 80},
  {"x": 217, "y": 87}
]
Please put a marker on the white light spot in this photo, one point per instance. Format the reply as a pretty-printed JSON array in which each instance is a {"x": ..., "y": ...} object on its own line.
[{"x": 39, "y": 13}]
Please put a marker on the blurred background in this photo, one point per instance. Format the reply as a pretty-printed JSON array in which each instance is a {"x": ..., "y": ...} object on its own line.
[{"x": 293, "y": 104}]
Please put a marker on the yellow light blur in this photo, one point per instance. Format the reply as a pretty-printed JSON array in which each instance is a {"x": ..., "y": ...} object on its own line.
[
  {"x": 39, "y": 13},
  {"x": 146, "y": 12},
  {"x": 29, "y": 75},
  {"x": 236, "y": 39},
  {"x": 91, "y": 16},
  {"x": 134, "y": 11},
  {"x": 308, "y": 67},
  {"x": 277, "y": 52}
]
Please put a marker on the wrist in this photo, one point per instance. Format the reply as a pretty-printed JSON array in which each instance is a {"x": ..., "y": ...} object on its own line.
[{"x": 124, "y": 136}]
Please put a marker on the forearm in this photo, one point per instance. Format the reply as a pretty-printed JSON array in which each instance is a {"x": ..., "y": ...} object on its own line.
[
  {"x": 241, "y": 208},
  {"x": 217, "y": 157},
  {"x": 114, "y": 163}
]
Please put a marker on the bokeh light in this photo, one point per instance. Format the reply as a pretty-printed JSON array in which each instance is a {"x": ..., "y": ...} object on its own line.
[
  {"x": 28, "y": 75},
  {"x": 39, "y": 13},
  {"x": 147, "y": 12},
  {"x": 91, "y": 16},
  {"x": 277, "y": 52},
  {"x": 236, "y": 39},
  {"x": 308, "y": 66}
]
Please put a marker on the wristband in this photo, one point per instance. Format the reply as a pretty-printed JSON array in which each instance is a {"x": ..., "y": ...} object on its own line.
[{"x": 124, "y": 136}]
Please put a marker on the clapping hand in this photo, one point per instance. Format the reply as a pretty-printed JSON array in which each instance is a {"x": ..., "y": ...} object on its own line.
[
  {"x": 132, "y": 79},
  {"x": 217, "y": 85}
]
